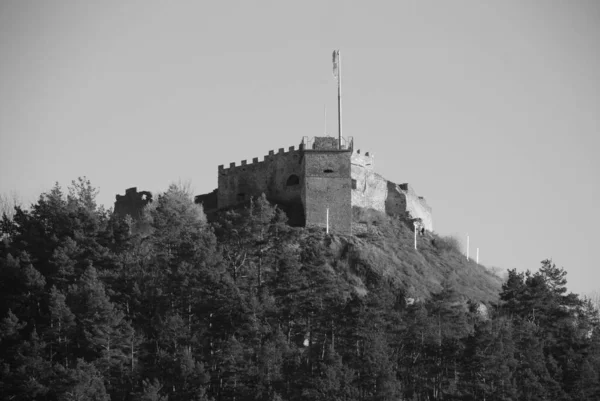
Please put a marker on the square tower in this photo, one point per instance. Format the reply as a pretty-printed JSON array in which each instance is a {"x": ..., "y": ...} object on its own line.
[{"x": 327, "y": 185}]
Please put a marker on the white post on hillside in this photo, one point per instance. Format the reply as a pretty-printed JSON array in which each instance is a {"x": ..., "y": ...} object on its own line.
[
  {"x": 415, "y": 224},
  {"x": 477, "y": 255},
  {"x": 467, "y": 246},
  {"x": 327, "y": 220}
]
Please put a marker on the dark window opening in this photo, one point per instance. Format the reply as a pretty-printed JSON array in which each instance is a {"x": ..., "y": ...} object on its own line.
[
  {"x": 353, "y": 184},
  {"x": 292, "y": 180},
  {"x": 241, "y": 197},
  {"x": 328, "y": 171}
]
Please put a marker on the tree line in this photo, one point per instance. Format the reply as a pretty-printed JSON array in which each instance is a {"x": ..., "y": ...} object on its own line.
[{"x": 170, "y": 306}]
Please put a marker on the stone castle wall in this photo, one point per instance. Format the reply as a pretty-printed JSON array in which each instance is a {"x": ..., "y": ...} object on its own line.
[
  {"x": 326, "y": 193},
  {"x": 416, "y": 205},
  {"x": 278, "y": 175},
  {"x": 132, "y": 202},
  {"x": 370, "y": 190},
  {"x": 306, "y": 183}
]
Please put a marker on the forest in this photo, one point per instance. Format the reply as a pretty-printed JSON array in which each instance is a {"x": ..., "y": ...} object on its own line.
[{"x": 172, "y": 306}]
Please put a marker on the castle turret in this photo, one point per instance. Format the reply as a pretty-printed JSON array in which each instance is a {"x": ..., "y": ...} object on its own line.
[{"x": 327, "y": 185}]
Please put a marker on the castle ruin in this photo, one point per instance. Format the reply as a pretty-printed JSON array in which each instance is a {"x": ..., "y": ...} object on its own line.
[
  {"x": 315, "y": 184},
  {"x": 132, "y": 203},
  {"x": 321, "y": 178}
]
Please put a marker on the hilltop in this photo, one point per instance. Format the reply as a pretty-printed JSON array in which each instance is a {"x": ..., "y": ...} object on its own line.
[{"x": 382, "y": 246}]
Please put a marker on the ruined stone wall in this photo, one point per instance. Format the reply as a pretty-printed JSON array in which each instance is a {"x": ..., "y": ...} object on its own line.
[
  {"x": 370, "y": 190},
  {"x": 132, "y": 202},
  {"x": 208, "y": 201},
  {"x": 327, "y": 185},
  {"x": 417, "y": 206},
  {"x": 278, "y": 176}
]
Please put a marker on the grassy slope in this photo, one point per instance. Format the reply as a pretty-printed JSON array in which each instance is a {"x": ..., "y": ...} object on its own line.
[
  {"x": 384, "y": 245},
  {"x": 381, "y": 245}
]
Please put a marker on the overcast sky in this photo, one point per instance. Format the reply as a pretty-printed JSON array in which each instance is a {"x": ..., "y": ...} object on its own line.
[{"x": 489, "y": 109}]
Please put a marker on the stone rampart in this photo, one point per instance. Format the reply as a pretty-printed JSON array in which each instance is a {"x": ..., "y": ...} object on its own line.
[
  {"x": 415, "y": 205},
  {"x": 208, "y": 201},
  {"x": 371, "y": 191},
  {"x": 368, "y": 188},
  {"x": 278, "y": 175}
]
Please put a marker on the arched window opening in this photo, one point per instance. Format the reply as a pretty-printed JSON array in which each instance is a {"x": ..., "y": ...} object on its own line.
[
  {"x": 328, "y": 171},
  {"x": 292, "y": 180},
  {"x": 353, "y": 184}
]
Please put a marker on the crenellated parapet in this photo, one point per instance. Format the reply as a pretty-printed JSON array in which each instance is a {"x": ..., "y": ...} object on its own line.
[
  {"x": 272, "y": 176},
  {"x": 256, "y": 163},
  {"x": 364, "y": 160}
]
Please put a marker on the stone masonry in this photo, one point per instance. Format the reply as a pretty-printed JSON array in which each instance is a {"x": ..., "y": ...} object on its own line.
[
  {"x": 370, "y": 190},
  {"x": 316, "y": 184},
  {"x": 313, "y": 178},
  {"x": 132, "y": 202}
]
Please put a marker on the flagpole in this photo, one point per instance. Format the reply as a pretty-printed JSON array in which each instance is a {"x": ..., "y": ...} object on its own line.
[{"x": 339, "y": 100}]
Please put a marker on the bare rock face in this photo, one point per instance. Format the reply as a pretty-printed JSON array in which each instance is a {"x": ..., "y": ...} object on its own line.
[{"x": 132, "y": 202}]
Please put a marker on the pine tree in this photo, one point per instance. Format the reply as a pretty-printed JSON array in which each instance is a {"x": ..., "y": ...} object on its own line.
[
  {"x": 81, "y": 382},
  {"x": 62, "y": 328},
  {"x": 104, "y": 331}
]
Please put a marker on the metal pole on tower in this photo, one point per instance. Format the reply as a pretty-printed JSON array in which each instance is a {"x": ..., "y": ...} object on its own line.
[
  {"x": 477, "y": 255},
  {"x": 340, "y": 102},
  {"x": 327, "y": 220},
  {"x": 337, "y": 72}
]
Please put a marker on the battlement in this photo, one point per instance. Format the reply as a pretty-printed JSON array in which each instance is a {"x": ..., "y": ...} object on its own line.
[
  {"x": 327, "y": 143},
  {"x": 291, "y": 152},
  {"x": 365, "y": 160}
]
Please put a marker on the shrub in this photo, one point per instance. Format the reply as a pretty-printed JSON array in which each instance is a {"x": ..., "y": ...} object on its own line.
[{"x": 447, "y": 244}]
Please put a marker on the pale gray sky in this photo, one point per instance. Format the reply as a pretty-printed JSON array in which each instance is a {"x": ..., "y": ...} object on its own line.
[{"x": 490, "y": 109}]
